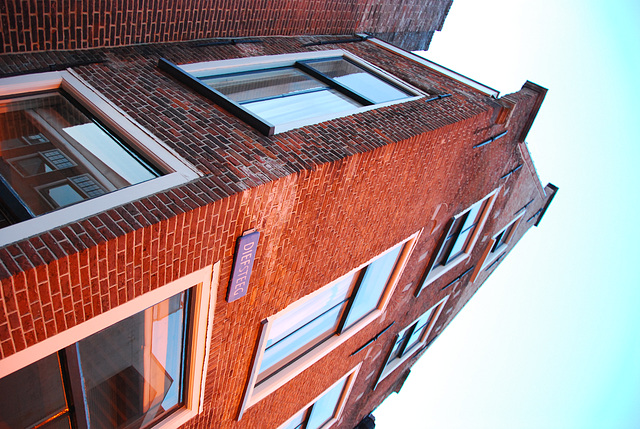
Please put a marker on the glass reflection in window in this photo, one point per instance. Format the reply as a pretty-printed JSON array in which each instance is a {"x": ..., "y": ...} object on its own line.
[
  {"x": 129, "y": 375},
  {"x": 47, "y": 142}
]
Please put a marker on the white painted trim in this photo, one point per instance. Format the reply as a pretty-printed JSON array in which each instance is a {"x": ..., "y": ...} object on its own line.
[
  {"x": 439, "y": 271},
  {"x": 391, "y": 366},
  {"x": 490, "y": 258},
  {"x": 205, "y": 303},
  {"x": 30, "y": 83},
  {"x": 351, "y": 375},
  {"x": 375, "y": 70},
  {"x": 115, "y": 118},
  {"x": 437, "y": 67},
  {"x": 215, "y": 283},
  {"x": 287, "y": 126},
  {"x": 205, "y": 281},
  {"x": 257, "y": 362},
  {"x": 179, "y": 171},
  {"x": 239, "y": 65},
  {"x": 65, "y": 215},
  {"x": 255, "y": 393}
]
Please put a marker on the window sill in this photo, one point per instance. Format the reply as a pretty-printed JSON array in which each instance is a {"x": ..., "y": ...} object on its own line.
[
  {"x": 390, "y": 367},
  {"x": 438, "y": 272}
]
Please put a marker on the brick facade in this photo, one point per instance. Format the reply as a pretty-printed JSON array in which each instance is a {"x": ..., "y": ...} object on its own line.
[
  {"x": 69, "y": 24},
  {"x": 326, "y": 198}
]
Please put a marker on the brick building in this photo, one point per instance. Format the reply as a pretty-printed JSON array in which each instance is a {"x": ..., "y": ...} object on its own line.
[
  {"x": 71, "y": 24},
  {"x": 247, "y": 235}
]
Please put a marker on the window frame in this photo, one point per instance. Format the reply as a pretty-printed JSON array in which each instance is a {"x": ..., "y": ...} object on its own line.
[
  {"x": 176, "y": 170},
  {"x": 14, "y": 162},
  {"x": 350, "y": 380},
  {"x": 189, "y": 74},
  {"x": 436, "y": 271},
  {"x": 490, "y": 256},
  {"x": 205, "y": 283},
  {"x": 255, "y": 391},
  {"x": 391, "y": 364}
]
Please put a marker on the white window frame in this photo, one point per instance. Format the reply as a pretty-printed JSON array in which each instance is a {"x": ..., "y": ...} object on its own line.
[
  {"x": 489, "y": 258},
  {"x": 205, "y": 281},
  {"x": 351, "y": 378},
  {"x": 239, "y": 65},
  {"x": 436, "y": 272},
  {"x": 255, "y": 393},
  {"x": 392, "y": 364},
  {"x": 177, "y": 170}
]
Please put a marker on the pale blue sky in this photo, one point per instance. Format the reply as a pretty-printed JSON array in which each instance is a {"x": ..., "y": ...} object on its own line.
[{"x": 552, "y": 340}]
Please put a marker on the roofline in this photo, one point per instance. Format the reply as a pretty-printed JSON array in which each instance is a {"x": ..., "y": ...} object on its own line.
[
  {"x": 437, "y": 67},
  {"x": 551, "y": 190},
  {"x": 541, "y": 92}
]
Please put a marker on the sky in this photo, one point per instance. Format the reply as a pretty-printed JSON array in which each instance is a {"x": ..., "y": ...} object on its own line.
[{"x": 552, "y": 339}]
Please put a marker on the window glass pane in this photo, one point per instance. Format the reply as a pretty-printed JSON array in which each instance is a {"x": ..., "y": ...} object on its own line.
[
  {"x": 397, "y": 347},
  {"x": 57, "y": 159},
  {"x": 32, "y": 165},
  {"x": 449, "y": 241},
  {"x": 132, "y": 370},
  {"x": 62, "y": 195},
  {"x": 61, "y": 422},
  {"x": 325, "y": 408},
  {"x": 460, "y": 245},
  {"x": 312, "y": 308},
  {"x": 506, "y": 235},
  {"x": 419, "y": 329},
  {"x": 301, "y": 106},
  {"x": 373, "y": 285},
  {"x": 281, "y": 95},
  {"x": 106, "y": 149},
  {"x": 32, "y": 394},
  {"x": 497, "y": 244},
  {"x": 307, "y": 334},
  {"x": 45, "y": 139},
  {"x": 359, "y": 80},
  {"x": 471, "y": 219},
  {"x": 258, "y": 85},
  {"x": 307, "y": 323},
  {"x": 297, "y": 421}
]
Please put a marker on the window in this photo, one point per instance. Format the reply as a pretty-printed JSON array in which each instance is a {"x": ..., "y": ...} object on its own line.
[
  {"x": 326, "y": 409},
  {"x": 498, "y": 244},
  {"x": 411, "y": 339},
  {"x": 131, "y": 373},
  {"x": 308, "y": 329},
  {"x": 61, "y": 144},
  {"x": 281, "y": 92},
  {"x": 459, "y": 239},
  {"x": 55, "y": 154}
]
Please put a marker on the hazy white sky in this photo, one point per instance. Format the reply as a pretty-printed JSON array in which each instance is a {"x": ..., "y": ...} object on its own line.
[{"x": 552, "y": 340}]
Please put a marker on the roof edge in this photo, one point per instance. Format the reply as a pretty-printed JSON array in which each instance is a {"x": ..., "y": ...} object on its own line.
[
  {"x": 487, "y": 90},
  {"x": 550, "y": 190},
  {"x": 540, "y": 92}
]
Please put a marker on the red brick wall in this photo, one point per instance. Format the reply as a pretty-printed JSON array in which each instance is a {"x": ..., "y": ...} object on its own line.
[
  {"x": 231, "y": 154},
  {"x": 68, "y": 24},
  {"x": 325, "y": 197}
]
